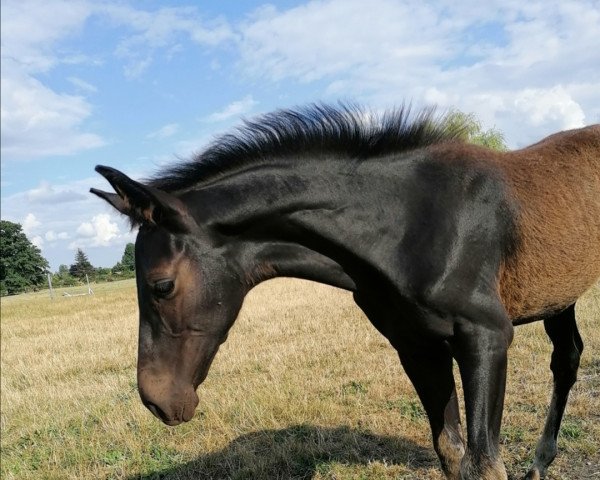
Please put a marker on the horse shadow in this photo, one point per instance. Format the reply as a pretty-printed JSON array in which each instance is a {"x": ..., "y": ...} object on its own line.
[{"x": 297, "y": 452}]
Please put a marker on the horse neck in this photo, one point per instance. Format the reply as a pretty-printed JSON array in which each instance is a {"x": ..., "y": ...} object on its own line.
[{"x": 282, "y": 220}]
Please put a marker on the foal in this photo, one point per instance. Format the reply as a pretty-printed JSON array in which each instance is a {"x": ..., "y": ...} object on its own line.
[{"x": 446, "y": 246}]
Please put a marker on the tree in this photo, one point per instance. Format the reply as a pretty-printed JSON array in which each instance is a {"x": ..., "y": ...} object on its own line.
[
  {"x": 128, "y": 259},
  {"x": 22, "y": 265},
  {"x": 82, "y": 266},
  {"x": 472, "y": 131},
  {"x": 63, "y": 278},
  {"x": 126, "y": 267}
]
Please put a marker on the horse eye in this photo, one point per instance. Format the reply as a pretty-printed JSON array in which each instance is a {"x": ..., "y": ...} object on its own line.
[{"x": 164, "y": 287}]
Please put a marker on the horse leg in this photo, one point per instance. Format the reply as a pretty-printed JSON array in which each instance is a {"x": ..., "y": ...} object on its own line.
[
  {"x": 428, "y": 364},
  {"x": 429, "y": 367},
  {"x": 481, "y": 352},
  {"x": 562, "y": 330}
]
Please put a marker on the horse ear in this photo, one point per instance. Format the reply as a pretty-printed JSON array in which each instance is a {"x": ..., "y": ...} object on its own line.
[{"x": 144, "y": 204}]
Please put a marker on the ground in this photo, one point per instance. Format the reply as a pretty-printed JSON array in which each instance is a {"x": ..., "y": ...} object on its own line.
[{"x": 304, "y": 388}]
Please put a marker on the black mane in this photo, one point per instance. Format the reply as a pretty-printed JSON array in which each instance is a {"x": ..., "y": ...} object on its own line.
[{"x": 346, "y": 130}]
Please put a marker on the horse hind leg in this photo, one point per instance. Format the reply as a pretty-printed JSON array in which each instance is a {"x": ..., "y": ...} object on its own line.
[{"x": 563, "y": 333}]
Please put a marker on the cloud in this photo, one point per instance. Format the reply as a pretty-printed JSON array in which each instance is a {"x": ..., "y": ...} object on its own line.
[
  {"x": 45, "y": 215},
  {"x": 30, "y": 223},
  {"x": 234, "y": 109},
  {"x": 38, "y": 241},
  {"x": 165, "y": 131},
  {"x": 521, "y": 56},
  {"x": 99, "y": 232},
  {"x": 82, "y": 85},
  {"x": 49, "y": 194},
  {"x": 162, "y": 29},
  {"x": 38, "y": 121},
  {"x": 550, "y": 105},
  {"x": 86, "y": 230},
  {"x": 304, "y": 43},
  {"x": 30, "y": 33},
  {"x": 52, "y": 236}
]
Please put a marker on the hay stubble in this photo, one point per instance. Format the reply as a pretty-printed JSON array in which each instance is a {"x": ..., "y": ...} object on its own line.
[{"x": 303, "y": 388}]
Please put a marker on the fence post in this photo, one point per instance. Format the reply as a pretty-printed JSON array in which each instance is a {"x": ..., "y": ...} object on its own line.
[
  {"x": 90, "y": 291},
  {"x": 50, "y": 286}
]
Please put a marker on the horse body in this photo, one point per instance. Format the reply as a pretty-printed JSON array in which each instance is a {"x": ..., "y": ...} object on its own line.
[
  {"x": 444, "y": 245},
  {"x": 560, "y": 246}
]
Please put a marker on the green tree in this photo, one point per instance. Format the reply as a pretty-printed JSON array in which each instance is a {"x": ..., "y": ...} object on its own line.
[
  {"x": 63, "y": 278},
  {"x": 128, "y": 259},
  {"x": 82, "y": 266},
  {"x": 472, "y": 130},
  {"x": 103, "y": 274},
  {"x": 126, "y": 267},
  {"x": 117, "y": 269},
  {"x": 22, "y": 266}
]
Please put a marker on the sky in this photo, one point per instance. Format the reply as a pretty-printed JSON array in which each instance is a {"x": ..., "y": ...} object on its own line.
[{"x": 138, "y": 85}]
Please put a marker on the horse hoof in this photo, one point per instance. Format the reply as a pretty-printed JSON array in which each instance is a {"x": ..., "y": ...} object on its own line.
[{"x": 533, "y": 474}]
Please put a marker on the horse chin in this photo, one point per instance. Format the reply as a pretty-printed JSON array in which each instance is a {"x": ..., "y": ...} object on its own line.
[{"x": 173, "y": 423}]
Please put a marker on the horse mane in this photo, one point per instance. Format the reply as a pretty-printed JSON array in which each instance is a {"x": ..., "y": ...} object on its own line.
[{"x": 347, "y": 130}]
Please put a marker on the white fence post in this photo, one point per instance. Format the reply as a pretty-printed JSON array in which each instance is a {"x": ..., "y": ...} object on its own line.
[{"x": 50, "y": 286}]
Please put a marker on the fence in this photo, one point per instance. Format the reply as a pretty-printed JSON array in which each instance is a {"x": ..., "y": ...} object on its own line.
[{"x": 66, "y": 294}]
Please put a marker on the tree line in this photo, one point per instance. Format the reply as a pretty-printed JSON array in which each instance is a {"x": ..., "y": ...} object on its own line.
[{"x": 24, "y": 269}]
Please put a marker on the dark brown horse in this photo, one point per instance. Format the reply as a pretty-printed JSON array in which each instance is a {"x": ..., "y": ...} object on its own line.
[{"x": 445, "y": 245}]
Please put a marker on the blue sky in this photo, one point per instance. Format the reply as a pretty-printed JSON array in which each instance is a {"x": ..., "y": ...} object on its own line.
[{"x": 136, "y": 85}]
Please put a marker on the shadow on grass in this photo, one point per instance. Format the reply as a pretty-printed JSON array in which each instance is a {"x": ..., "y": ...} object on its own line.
[{"x": 297, "y": 452}]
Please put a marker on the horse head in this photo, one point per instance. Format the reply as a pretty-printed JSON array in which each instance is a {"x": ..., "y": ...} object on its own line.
[{"x": 189, "y": 295}]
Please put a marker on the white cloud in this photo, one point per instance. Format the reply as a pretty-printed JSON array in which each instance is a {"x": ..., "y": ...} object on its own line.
[
  {"x": 38, "y": 241},
  {"x": 47, "y": 193},
  {"x": 101, "y": 231},
  {"x": 325, "y": 38},
  {"x": 164, "y": 131},
  {"x": 57, "y": 224},
  {"x": 52, "y": 236},
  {"x": 520, "y": 56},
  {"x": 161, "y": 29},
  {"x": 234, "y": 109},
  {"x": 30, "y": 223},
  {"x": 82, "y": 85},
  {"x": 36, "y": 121},
  {"x": 86, "y": 229},
  {"x": 31, "y": 28},
  {"x": 550, "y": 105}
]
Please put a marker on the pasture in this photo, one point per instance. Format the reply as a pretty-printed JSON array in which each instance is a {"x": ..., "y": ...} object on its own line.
[{"x": 303, "y": 388}]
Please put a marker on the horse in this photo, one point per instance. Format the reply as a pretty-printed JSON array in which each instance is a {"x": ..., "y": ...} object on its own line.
[{"x": 446, "y": 247}]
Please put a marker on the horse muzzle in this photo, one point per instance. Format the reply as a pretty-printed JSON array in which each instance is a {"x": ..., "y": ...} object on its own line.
[{"x": 171, "y": 403}]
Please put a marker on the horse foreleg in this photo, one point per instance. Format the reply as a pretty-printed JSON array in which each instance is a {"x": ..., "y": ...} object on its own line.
[
  {"x": 429, "y": 367},
  {"x": 481, "y": 352},
  {"x": 563, "y": 333}
]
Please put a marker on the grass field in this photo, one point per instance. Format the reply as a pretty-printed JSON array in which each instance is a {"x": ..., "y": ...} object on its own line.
[{"x": 304, "y": 388}]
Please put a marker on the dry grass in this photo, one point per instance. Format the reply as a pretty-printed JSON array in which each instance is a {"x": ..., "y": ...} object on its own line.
[{"x": 303, "y": 388}]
